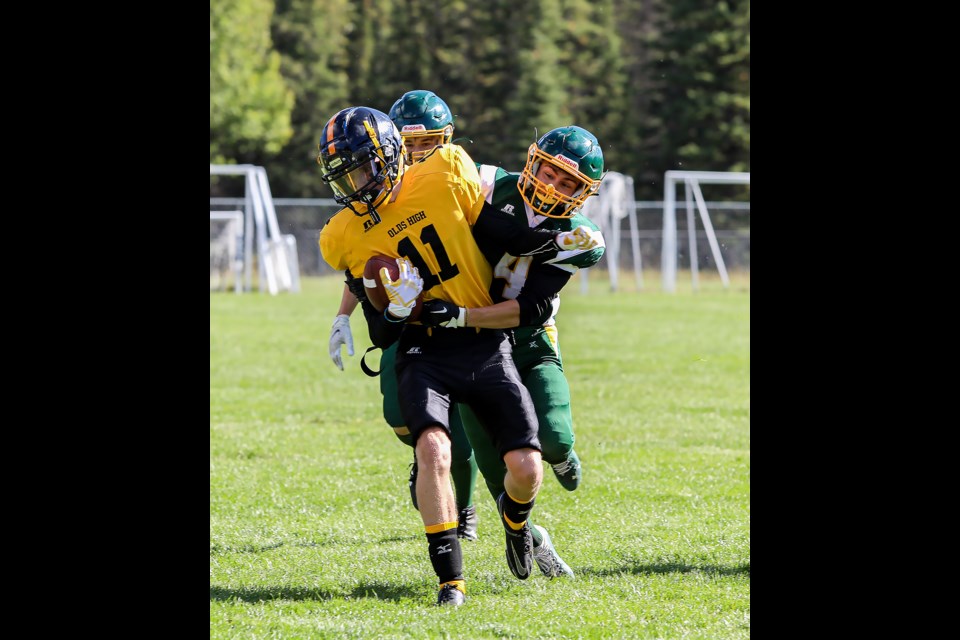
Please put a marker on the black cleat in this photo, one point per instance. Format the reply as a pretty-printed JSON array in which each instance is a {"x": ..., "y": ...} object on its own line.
[
  {"x": 449, "y": 594},
  {"x": 467, "y": 523},
  {"x": 413, "y": 482},
  {"x": 519, "y": 546}
]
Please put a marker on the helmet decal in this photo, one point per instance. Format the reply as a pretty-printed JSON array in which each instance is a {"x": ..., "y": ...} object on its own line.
[{"x": 567, "y": 161}]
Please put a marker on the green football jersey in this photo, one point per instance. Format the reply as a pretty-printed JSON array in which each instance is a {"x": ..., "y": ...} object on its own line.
[{"x": 510, "y": 272}]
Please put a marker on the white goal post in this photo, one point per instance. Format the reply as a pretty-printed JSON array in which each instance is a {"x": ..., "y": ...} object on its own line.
[
  {"x": 692, "y": 181},
  {"x": 278, "y": 265},
  {"x": 614, "y": 202}
]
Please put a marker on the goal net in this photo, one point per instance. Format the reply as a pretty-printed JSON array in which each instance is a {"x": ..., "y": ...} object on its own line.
[
  {"x": 226, "y": 262},
  {"x": 614, "y": 202}
]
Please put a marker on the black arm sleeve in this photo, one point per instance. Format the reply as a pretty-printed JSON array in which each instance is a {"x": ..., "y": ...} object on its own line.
[
  {"x": 543, "y": 283},
  {"x": 356, "y": 286},
  {"x": 383, "y": 333},
  {"x": 495, "y": 226}
]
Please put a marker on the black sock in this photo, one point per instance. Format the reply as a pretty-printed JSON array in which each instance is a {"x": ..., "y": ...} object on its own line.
[
  {"x": 445, "y": 554},
  {"x": 515, "y": 512}
]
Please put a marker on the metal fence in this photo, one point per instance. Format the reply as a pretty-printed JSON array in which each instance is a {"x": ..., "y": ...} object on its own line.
[{"x": 304, "y": 217}]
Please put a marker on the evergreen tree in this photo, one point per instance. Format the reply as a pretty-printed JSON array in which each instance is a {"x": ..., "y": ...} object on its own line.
[
  {"x": 702, "y": 102},
  {"x": 250, "y": 104},
  {"x": 595, "y": 88},
  {"x": 309, "y": 35}
]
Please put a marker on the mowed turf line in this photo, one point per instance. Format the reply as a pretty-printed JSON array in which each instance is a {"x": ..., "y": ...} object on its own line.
[{"x": 312, "y": 534}]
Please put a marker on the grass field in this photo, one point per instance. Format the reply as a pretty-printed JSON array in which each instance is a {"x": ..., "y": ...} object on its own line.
[{"x": 312, "y": 534}]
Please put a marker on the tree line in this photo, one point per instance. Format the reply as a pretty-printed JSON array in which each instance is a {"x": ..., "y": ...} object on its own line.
[{"x": 662, "y": 84}]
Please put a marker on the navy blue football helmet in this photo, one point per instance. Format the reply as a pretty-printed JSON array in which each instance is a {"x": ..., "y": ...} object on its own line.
[{"x": 361, "y": 158}]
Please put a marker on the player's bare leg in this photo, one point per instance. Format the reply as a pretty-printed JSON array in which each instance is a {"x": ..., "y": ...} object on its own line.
[{"x": 438, "y": 510}]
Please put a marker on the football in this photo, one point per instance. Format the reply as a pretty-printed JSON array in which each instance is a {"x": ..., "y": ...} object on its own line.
[{"x": 374, "y": 287}]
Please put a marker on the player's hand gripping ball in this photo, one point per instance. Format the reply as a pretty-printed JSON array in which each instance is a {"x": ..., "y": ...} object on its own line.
[{"x": 376, "y": 292}]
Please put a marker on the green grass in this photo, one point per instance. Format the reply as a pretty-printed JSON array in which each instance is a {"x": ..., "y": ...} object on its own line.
[{"x": 312, "y": 534}]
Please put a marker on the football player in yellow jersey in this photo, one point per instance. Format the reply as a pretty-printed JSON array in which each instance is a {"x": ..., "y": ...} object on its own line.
[
  {"x": 425, "y": 122},
  {"x": 427, "y": 216}
]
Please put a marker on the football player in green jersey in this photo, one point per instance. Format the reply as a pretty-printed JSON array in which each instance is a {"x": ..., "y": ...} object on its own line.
[
  {"x": 564, "y": 167},
  {"x": 433, "y": 230},
  {"x": 425, "y": 122}
]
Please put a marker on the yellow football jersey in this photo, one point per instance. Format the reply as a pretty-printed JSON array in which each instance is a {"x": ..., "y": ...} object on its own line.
[{"x": 427, "y": 219}]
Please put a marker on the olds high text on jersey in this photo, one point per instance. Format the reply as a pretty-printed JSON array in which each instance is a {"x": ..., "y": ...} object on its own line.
[{"x": 419, "y": 216}]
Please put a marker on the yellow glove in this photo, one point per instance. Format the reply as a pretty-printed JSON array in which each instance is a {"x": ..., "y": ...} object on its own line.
[
  {"x": 582, "y": 238},
  {"x": 403, "y": 291}
]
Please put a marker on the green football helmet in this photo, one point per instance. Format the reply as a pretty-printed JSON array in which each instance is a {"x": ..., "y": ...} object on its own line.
[
  {"x": 576, "y": 152},
  {"x": 422, "y": 113}
]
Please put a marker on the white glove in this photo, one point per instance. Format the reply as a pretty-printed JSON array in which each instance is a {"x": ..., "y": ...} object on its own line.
[
  {"x": 402, "y": 292},
  {"x": 339, "y": 335},
  {"x": 582, "y": 238}
]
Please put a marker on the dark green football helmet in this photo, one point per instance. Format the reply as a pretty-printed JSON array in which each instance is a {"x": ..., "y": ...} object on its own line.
[
  {"x": 422, "y": 113},
  {"x": 575, "y": 152}
]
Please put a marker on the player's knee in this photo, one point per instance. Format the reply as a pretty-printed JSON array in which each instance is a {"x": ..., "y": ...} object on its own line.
[
  {"x": 433, "y": 448},
  {"x": 526, "y": 467}
]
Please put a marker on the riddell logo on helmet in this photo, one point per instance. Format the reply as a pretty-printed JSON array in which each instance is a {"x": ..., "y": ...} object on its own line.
[
  {"x": 413, "y": 127},
  {"x": 562, "y": 159}
]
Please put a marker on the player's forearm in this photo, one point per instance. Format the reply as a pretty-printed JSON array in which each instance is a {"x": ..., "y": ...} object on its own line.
[
  {"x": 348, "y": 302},
  {"x": 503, "y": 315}
]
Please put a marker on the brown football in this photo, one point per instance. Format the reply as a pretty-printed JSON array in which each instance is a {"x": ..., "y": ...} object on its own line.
[{"x": 374, "y": 287}]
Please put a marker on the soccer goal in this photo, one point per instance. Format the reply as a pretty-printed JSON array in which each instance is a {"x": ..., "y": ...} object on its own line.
[
  {"x": 614, "y": 202},
  {"x": 691, "y": 181},
  {"x": 276, "y": 254},
  {"x": 226, "y": 238}
]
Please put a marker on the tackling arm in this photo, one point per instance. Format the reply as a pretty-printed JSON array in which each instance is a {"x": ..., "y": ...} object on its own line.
[
  {"x": 494, "y": 226},
  {"x": 532, "y": 307}
]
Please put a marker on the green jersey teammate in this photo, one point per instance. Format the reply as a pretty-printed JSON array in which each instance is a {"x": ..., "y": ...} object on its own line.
[{"x": 564, "y": 167}]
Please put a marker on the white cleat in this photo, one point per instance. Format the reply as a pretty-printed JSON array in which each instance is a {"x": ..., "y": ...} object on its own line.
[{"x": 549, "y": 561}]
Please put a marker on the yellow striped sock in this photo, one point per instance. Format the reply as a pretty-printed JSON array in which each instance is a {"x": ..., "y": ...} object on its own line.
[
  {"x": 438, "y": 528},
  {"x": 461, "y": 585}
]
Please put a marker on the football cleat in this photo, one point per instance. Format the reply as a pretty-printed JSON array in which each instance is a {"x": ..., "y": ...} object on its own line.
[
  {"x": 568, "y": 472},
  {"x": 519, "y": 545},
  {"x": 413, "y": 483},
  {"x": 549, "y": 561},
  {"x": 449, "y": 594},
  {"x": 467, "y": 523}
]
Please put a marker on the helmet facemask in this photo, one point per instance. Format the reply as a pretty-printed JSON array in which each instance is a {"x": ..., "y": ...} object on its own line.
[
  {"x": 544, "y": 198},
  {"x": 413, "y": 132}
]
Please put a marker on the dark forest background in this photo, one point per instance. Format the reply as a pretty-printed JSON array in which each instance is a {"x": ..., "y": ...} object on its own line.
[{"x": 663, "y": 84}]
